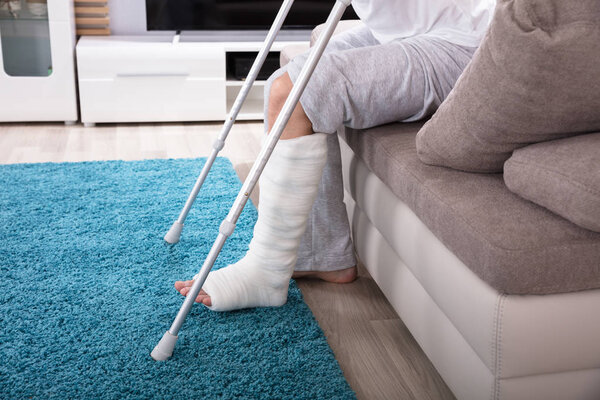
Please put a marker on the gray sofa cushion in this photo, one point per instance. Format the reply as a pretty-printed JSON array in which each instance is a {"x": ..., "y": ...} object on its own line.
[
  {"x": 514, "y": 245},
  {"x": 561, "y": 175},
  {"x": 535, "y": 77}
]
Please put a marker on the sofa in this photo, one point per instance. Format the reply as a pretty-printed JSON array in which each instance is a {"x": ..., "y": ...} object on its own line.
[{"x": 501, "y": 292}]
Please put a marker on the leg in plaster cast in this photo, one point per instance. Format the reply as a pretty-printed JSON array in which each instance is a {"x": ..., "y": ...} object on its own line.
[
  {"x": 300, "y": 125},
  {"x": 289, "y": 185}
]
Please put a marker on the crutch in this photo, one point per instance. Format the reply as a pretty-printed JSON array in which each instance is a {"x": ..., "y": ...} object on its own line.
[
  {"x": 174, "y": 232},
  {"x": 164, "y": 348}
]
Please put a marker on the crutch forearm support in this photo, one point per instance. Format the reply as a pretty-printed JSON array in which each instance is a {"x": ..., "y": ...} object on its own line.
[
  {"x": 165, "y": 347},
  {"x": 174, "y": 234}
]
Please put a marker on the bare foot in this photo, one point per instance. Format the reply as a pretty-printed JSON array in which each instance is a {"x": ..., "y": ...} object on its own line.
[
  {"x": 184, "y": 287},
  {"x": 340, "y": 276}
]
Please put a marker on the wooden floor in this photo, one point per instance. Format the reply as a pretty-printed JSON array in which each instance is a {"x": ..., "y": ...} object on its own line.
[{"x": 379, "y": 357}]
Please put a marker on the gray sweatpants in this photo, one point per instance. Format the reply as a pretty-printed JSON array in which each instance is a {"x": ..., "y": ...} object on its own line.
[{"x": 361, "y": 83}]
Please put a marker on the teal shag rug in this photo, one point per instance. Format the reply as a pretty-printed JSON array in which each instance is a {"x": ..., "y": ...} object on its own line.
[{"x": 86, "y": 291}]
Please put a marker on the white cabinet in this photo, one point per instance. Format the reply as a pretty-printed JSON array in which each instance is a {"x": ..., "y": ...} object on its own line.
[
  {"x": 156, "y": 78},
  {"x": 131, "y": 80},
  {"x": 37, "y": 63}
]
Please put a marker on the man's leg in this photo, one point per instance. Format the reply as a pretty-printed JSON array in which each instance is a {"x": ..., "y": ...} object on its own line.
[
  {"x": 404, "y": 81},
  {"x": 243, "y": 282},
  {"x": 328, "y": 208},
  {"x": 365, "y": 87},
  {"x": 298, "y": 124},
  {"x": 325, "y": 250},
  {"x": 288, "y": 187}
]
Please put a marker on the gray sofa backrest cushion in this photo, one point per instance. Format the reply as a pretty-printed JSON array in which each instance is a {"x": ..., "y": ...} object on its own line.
[
  {"x": 561, "y": 175},
  {"x": 535, "y": 77}
]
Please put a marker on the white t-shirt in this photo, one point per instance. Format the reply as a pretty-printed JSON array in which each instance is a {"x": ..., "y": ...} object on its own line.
[{"x": 463, "y": 22}]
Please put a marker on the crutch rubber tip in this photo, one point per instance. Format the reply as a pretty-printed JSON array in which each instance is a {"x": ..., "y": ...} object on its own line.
[
  {"x": 164, "y": 348},
  {"x": 174, "y": 233}
]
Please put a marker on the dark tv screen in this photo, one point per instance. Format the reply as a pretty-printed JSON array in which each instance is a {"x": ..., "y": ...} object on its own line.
[{"x": 190, "y": 15}]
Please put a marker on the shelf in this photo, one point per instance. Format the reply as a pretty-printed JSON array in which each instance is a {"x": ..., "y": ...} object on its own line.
[
  {"x": 251, "y": 110},
  {"x": 249, "y": 116},
  {"x": 232, "y": 83},
  {"x": 4, "y": 17}
]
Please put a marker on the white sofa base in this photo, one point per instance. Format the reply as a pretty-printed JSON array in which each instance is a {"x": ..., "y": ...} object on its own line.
[{"x": 484, "y": 344}]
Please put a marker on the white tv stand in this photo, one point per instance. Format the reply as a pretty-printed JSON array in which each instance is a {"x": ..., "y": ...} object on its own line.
[{"x": 165, "y": 78}]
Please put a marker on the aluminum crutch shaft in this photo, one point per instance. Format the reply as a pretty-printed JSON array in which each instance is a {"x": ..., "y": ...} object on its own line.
[
  {"x": 164, "y": 348},
  {"x": 174, "y": 232}
]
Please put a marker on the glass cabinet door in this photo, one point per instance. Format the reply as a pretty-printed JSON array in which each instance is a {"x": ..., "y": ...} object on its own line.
[{"x": 25, "y": 37}]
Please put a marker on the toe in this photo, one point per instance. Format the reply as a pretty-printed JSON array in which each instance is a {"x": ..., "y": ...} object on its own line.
[
  {"x": 202, "y": 297},
  {"x": 179, "y": 285},
  {"x": 204, "y": 300}
]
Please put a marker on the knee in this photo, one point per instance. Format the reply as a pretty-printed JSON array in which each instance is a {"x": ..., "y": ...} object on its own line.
[
  {"x": 298, "y": 123},
  {"x": 280, "y": 90}
]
